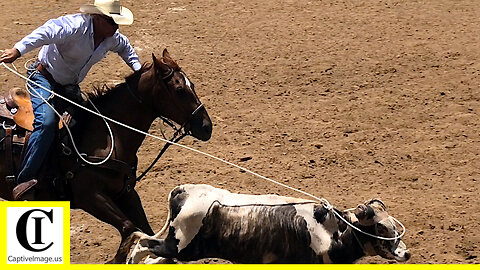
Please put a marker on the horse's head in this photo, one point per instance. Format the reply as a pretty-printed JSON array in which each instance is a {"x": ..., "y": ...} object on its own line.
[{"x": 174, "y": 97}]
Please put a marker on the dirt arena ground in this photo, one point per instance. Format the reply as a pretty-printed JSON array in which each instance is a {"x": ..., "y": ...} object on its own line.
[{"x": 345, "y": 99}]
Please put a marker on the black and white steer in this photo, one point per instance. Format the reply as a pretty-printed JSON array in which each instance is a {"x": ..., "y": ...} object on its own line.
[{"x": 207, "y": 222}]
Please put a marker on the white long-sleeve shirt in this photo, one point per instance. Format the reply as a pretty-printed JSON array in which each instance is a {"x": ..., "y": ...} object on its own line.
[{"x": 68, "y": 50}]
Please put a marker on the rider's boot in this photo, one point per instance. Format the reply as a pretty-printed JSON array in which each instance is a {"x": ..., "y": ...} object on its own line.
[{"x": 24, "y": 191}]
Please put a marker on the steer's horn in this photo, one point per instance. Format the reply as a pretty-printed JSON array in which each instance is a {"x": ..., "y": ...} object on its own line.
[{"x": 363, "y": 211}]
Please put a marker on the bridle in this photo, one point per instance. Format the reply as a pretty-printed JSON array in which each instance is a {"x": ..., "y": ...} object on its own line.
[{"x": 179, "y": 133}]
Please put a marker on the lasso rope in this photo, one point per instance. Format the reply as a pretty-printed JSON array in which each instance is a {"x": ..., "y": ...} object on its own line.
[
  {"x": 65, "y": 124},
  {"x": 327, "y": 205}
]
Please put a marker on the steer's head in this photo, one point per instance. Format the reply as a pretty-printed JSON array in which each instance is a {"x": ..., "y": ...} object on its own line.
[{"x": 372, "y": 217}]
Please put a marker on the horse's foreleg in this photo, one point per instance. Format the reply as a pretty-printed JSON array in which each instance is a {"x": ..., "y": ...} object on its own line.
[
  {"x": 131, "y": 205},
  {"x": 103, "y": 208}
]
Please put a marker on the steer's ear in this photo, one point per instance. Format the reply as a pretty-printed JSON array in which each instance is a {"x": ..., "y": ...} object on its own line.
[
  {"x": 320, "y": 214},
  {"x": 364, "y": 213}
]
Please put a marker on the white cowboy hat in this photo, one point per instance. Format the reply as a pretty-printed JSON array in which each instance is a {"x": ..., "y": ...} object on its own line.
[{"x": 111, "y": 8}]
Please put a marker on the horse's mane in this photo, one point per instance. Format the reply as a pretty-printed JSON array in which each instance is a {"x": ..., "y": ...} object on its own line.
[{"x": 102, "y": 90}]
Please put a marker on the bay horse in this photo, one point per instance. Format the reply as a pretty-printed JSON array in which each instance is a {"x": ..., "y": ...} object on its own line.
[{"x": 159, "y": 89}]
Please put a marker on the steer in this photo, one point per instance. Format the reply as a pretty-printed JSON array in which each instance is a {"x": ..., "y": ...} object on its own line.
[{"x": 207, "y": 222}]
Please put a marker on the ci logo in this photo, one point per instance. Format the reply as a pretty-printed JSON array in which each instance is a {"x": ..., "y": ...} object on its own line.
[{"x": 38, "y": 221}]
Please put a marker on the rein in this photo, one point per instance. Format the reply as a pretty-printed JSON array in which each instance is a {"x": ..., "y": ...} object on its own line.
[
  {"x": 179, "y": 134},
  {"x": 174, "y": 139}
]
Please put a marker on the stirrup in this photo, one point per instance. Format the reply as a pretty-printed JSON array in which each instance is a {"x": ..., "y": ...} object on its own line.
[{"x": 10, "y": 179}]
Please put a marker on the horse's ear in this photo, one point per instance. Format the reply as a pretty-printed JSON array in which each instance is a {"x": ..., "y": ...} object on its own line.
[
  {"x": 160, "y": 67},
  {"x": 155, "y": 61},
  {"x": 168, "y": 60},
  {"x": 165, "y": 54}
]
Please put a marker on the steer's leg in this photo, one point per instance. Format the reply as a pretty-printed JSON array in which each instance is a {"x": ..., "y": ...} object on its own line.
[
  {"x": 138, "y": 254},
  {"x": 141, "y": 249},
  {"x": 163, "y": 248},
  {"x": 159, "y": 260}
]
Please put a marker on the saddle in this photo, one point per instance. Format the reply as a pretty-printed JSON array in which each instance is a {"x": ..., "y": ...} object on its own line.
[
  {"x": 16, "y": 120},
  {"x": 16, "y": 105},
  {"x": 16, "y": 125}
]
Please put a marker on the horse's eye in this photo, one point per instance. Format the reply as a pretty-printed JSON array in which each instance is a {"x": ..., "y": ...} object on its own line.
[{"x": 182, "y": 92}]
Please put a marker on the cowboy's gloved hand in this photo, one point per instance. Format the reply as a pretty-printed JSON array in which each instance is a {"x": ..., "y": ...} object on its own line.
[{"x": 9, "y": 55}]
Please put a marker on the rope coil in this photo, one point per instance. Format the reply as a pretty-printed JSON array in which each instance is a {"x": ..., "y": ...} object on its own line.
[{"x": 52, "y": 94}]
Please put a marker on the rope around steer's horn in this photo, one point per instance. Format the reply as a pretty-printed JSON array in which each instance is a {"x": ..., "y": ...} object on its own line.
[
  {"x": 372, "y": 235},
  {"x": 324, "y": 201}
]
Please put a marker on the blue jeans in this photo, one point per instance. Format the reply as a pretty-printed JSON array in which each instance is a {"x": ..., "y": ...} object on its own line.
[{"x": 44, "y": 126}]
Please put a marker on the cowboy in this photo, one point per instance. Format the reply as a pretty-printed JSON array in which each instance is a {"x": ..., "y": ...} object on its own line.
[{"x": 72, "y": 44}]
